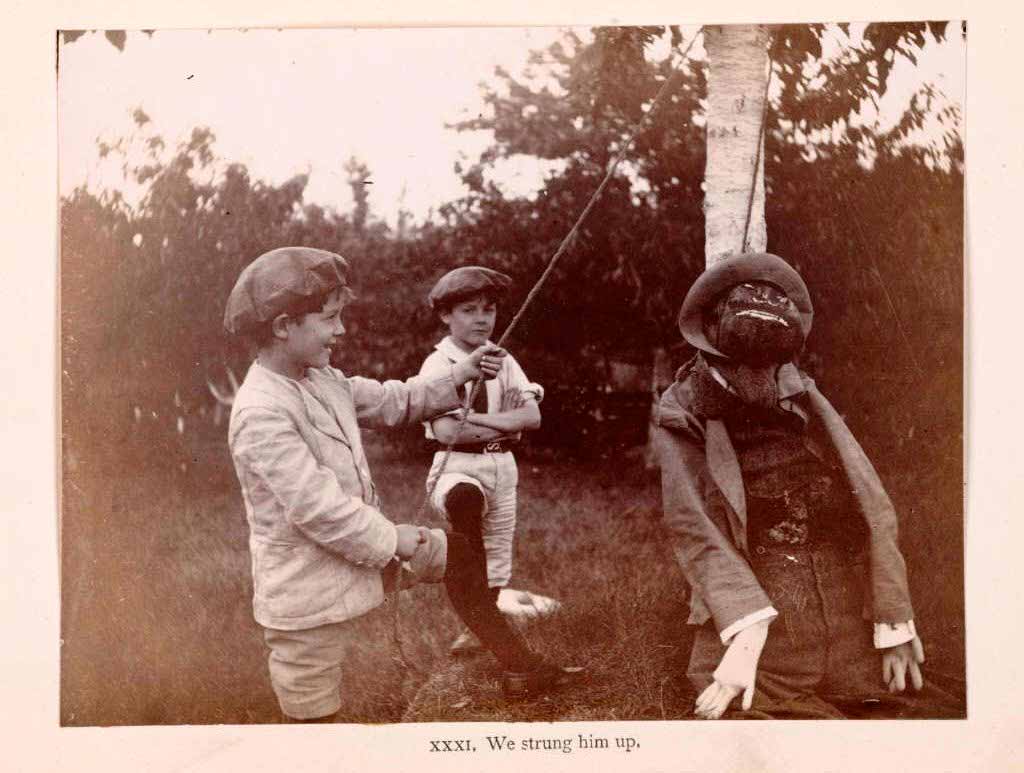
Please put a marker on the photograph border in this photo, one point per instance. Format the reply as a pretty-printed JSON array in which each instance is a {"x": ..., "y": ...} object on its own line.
[{"x": 986, "y": 740}]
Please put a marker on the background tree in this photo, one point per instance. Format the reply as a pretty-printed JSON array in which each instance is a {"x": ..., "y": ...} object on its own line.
[
  {"x": 738, "y": 74},
  {"x": 832, "y": 188},
  {"x": 358, "y": 175},
  {"x": 644, "y": 244},
  {"x": 816, "y": 94}
]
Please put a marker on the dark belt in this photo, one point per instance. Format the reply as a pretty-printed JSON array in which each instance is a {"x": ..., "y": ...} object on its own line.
[{"x": 493, "y": 447}]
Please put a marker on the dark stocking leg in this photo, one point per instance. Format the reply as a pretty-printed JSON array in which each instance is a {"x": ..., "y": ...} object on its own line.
[{"x": 466, "y": 581}]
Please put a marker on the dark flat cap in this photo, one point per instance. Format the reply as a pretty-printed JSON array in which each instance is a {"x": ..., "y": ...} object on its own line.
[
  {"x": 465, "y": 282},
  {"x": 279, "y": 279},
  {"x": 734, "y": 270}
]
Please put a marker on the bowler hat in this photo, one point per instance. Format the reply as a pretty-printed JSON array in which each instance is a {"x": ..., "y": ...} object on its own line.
[
  {"x": 279, "y": 279},
  {"x": 465, "y": 282},
  {"x": 731, "y": 271}
]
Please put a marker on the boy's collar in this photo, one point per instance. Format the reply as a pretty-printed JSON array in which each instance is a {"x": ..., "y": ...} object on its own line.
[
  {"x": 280, "y": 378},
  {"x": 271, "y": 374},
  {"x": 451, "y": 350}
]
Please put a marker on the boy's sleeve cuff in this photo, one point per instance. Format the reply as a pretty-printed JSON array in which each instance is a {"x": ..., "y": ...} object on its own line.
[
  {"x": 390, "y": 549},
  {"x": 385, "y": 553},
  {"x": 768, "y": 613},
  {"x": 374, "y": 551},
  {"x": 893, "y": 634}
]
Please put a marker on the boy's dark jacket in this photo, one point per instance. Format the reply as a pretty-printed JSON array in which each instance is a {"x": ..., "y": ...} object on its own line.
[{"x": 697, "y": 456}]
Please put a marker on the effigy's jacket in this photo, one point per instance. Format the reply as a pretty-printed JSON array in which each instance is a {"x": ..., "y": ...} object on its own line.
[{"x": 698, "y": 458}]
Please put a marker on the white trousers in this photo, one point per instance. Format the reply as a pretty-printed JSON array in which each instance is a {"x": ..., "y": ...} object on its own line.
[
  {"x": 497, "y": 478},
  {"x": 305, "y": 668}
]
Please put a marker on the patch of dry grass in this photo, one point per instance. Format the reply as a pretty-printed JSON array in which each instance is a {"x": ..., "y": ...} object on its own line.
[{"x": 157, "y": 623}]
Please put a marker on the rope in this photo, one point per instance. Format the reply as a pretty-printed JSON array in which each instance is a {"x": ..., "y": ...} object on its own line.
[
  {"x": 757, "y": 159},
  {"x": 667, "y": 86}
]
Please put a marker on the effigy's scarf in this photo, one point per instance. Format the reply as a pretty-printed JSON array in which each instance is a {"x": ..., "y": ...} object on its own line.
[{"x": 751, "y": 386}]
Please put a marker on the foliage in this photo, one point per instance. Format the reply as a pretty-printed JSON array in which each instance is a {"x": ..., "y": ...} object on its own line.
[
  {"x": 144, "y": 286},
  {"x": 622, "y": 279},
  {"x": 873, "y": 221},
  {"x": 822, "y": 92}
]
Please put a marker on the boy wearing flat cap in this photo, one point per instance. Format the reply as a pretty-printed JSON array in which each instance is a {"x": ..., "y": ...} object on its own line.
[
  {"x": 477, "y": 490},
  {"x": 778, "y": 520},
  {"x": 321, "y": 548}
]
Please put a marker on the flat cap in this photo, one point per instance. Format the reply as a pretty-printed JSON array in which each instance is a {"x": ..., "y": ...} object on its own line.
[
  {"x": 465, "y": 282},
  {"x": 734, "y": 270},
  {"x": 279, "y": 279}
]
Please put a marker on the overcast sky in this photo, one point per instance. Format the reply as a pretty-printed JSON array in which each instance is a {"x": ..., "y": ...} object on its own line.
[{"x": 285, "y": 102}]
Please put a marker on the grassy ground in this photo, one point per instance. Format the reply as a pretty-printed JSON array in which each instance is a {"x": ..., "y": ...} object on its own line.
[{"x": 156, "y": 602}]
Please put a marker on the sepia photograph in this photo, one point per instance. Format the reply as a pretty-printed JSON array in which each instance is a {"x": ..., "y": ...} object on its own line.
[{"x": 512, "y": 374}]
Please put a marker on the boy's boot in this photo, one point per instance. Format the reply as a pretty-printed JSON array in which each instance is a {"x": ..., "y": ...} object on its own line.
[
  {"x": 542, "y": 679},
  {"x": 465, "y": 580},
  {"x": 525, "y": 672}
]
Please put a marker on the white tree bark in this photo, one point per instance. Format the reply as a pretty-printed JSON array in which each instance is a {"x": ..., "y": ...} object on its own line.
[
  {"x": 737, "y": 85},
  {"x": 737, "y": 79}
]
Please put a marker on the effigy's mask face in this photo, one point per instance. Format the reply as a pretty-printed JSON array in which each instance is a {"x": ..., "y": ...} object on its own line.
[{"x": 755, "y": 323}]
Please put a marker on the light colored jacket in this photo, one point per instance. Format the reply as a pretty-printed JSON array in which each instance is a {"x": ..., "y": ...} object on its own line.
[
  {"x": 317, "y": 537},
  {"x": 698, "y": 457}
]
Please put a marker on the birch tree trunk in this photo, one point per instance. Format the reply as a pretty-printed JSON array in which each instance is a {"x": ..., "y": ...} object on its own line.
[
  {"x": 737, "y": 86},
  {"x": 737, "y": 89}
]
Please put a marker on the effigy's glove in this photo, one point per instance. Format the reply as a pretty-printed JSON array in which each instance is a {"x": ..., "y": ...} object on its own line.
[
  {"x": 736, "y": 673},
  {"x": 900, "y": 660}
]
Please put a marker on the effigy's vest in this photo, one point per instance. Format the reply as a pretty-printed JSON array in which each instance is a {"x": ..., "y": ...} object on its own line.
[{"x": 794, "y": 492}]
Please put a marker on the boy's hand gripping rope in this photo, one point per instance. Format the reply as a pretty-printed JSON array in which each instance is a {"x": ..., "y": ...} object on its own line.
[{"x": 666, "y": 87}]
